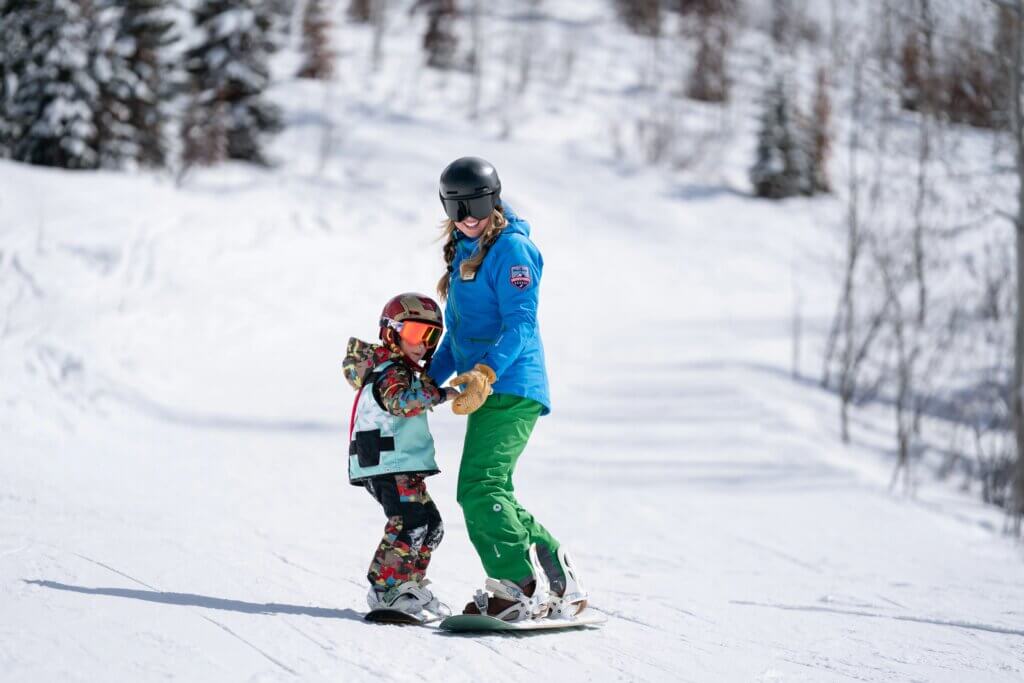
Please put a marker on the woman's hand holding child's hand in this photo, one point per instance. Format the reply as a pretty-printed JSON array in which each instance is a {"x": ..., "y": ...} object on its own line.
[{"x": 478, "y": 383}]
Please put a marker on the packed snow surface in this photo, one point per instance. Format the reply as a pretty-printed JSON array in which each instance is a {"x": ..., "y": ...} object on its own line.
[{"x": 173, "y": 492}]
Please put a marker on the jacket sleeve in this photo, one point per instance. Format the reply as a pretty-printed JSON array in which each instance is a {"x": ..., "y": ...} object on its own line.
[
  {"x": 442, "y": 364},
  {"x": 516, "y": 282},
  {"x": 398, "y": 397}
]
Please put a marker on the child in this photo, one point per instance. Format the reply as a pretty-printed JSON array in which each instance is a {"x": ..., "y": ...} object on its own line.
[{"x": 391, "y": 450}]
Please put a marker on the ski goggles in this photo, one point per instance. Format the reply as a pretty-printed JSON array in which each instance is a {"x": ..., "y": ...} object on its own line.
[
  {"x": 477, "y": 207},
  {"x": 414, "y": 332}
]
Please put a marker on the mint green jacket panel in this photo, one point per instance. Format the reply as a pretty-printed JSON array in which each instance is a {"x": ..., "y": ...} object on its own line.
[{"x": 383, "y": 443}]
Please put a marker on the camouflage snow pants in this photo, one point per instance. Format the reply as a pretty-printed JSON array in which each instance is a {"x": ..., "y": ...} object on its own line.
[{"x": 412, "y": 533}]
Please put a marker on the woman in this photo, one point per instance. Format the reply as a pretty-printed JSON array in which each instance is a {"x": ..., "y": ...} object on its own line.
[{"x": 491, "y": 292}]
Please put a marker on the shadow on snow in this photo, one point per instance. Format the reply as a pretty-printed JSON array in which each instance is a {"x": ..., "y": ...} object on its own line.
[{"x": 193, "y": 600}]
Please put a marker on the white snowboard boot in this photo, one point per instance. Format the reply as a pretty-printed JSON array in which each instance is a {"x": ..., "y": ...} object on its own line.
[
  {"x": 573, "y": 599},
  {"x": 410, "y": 597},
  {"x": 510, "y": 602}
]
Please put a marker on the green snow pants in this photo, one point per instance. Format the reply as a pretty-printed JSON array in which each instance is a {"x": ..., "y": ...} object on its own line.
[{"x": 499, "y": 528}]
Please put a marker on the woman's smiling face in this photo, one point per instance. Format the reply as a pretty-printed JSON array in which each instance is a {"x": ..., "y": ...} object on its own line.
[{"x": 473, "y": 227}]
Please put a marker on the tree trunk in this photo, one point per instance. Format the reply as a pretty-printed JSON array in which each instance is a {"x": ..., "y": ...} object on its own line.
[
  {"x": 847, "y": 309},
  {"x": 1018, "y": 367}
]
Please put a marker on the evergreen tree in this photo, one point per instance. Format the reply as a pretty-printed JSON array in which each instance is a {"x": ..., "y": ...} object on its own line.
[
  {"x": 228, "y": 74},
  {"x": 51, "y": 93},
  {"x": 779, "y": 170},
  {"x": 116, "y": 140},
  {"x": 146, "y": 34},
  {"x": 15, "y": 22},
  {"x": 318, "y": 59}
]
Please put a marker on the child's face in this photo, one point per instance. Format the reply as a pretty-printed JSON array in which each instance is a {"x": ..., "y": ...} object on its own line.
[{"x": 414, "y": 352}]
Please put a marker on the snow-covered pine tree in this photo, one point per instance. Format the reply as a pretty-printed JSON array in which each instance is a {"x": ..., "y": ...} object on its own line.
[
  {"x": 15, "y": 25},
  {"x": 777, "y": 172},
  {"x": 116, "y": 140},
  {"x": 280, "y": 14},
  {"x": 146, "y": 35},
  {"x": 317, "y": 56},
  {"x": 54, "y": 97},
  {"x": 228, "y": 75}
]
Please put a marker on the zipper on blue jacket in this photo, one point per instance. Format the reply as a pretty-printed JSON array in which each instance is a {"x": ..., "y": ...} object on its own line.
[{"x": 455, "y": 310}]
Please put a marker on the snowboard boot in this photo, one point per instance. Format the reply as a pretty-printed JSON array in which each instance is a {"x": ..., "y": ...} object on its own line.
[
  {"x": 574, "y": 596},
  {"x": 509, "y": 601},
  {"x": 410, "y": 597},
  {"x": 432, "y": 605}
]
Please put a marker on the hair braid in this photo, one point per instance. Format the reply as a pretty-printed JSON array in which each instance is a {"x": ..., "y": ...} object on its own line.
[{"x": 449, "y": 257}]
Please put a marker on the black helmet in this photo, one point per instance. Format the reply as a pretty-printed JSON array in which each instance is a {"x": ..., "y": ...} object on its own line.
[{"x": 469, "y": 187}]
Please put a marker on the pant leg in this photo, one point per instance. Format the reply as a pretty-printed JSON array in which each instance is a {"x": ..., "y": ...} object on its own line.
[
  {"x": 413, "y": 525},
  {"x": 547, "y": 549},
  {"x": 435, "y": 533},
  {"x": 499, "y": 528}
]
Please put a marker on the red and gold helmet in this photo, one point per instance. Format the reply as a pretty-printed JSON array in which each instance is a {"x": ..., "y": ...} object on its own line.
[
  {"x": 412, "y": 306},
  {"x": 413, "y": 317}
]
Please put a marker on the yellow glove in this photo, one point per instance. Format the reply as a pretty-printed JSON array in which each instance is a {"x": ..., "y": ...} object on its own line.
[{"x": 478, "y": 383}]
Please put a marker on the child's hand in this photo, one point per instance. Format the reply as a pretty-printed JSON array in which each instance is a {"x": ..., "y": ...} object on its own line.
[{"x": 451, "y": 394}]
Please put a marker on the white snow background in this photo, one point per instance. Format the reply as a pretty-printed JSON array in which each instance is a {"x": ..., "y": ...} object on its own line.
[{"x": 173, "y": 492}]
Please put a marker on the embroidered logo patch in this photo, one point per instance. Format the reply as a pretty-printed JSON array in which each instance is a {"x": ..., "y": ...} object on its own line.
[{"x": 520, "y": 277}]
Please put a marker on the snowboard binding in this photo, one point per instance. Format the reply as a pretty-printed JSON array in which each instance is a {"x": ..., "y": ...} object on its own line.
[{"x": 573, "y": 599}]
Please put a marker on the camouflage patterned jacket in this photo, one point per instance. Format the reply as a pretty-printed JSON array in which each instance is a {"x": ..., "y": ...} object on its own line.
[{"x": 400, "y": 391}]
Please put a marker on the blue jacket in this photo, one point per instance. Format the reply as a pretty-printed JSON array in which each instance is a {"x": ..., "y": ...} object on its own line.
[{"x": 492, "y": 319}]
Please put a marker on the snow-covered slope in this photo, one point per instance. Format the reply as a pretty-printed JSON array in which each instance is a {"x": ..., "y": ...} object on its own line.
[{"x": 173, "y": 499}]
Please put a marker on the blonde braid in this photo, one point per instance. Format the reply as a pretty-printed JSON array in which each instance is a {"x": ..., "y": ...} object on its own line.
[{"x": 449, "y": 257}]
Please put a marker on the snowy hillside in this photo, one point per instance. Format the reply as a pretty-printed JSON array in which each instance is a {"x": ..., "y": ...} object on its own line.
[{"x": 173, "y": 492}]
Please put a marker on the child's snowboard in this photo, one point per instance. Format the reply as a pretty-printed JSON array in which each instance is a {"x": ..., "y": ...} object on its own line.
[
  {"x": 479, "y": 623},
  {"x": 394, "y": 616}
]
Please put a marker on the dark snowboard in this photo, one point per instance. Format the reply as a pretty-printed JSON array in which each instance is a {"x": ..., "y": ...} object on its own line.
[{"x": 394, "y": 616}]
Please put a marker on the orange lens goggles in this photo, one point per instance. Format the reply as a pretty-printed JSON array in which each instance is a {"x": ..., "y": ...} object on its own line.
[{"x": 414, "y": 332}]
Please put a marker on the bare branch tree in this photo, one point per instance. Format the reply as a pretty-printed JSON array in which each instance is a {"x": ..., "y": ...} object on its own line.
[
  {"x": 1017, "y": 385},
  {"x": 853, "y": 333},
  {"x": 378, "y": 17}
]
